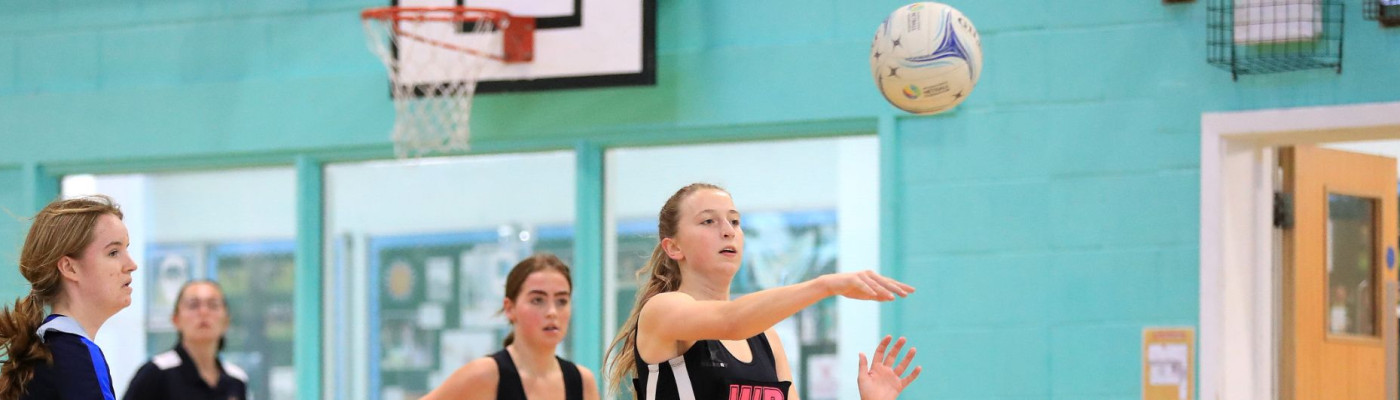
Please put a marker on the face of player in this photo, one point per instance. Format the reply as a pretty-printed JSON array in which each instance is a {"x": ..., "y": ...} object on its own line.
[
  {"x": 102, "y": 273},
  {"x": 540, "y": 312},
  {"x": 201, "y": 315},
  {"x": 708, "y": 235}
]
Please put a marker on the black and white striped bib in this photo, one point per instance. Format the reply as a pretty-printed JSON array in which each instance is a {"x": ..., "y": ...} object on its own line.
[{"x": 708, "y": 371}]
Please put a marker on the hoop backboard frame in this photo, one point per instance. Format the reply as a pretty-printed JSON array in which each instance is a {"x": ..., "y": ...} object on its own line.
[{"x": 617, "y": 49}]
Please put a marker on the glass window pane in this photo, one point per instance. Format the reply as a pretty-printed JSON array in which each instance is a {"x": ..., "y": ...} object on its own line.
[
  {"x": 236, "y": 227},
  {"x": 1351, "y": 266},
  {"x": 417, "y": 254},
  {"x": 809, "y": 207}
]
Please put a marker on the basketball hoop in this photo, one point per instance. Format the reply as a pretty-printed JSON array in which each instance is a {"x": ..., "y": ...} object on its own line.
[{"x": 434, "y": 56}]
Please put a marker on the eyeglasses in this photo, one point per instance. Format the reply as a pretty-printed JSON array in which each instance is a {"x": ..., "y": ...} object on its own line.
[{"x": 195, "y": 304}]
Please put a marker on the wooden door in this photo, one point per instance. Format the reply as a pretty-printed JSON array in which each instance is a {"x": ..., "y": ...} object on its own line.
[{"x": 1338, "y": 284}]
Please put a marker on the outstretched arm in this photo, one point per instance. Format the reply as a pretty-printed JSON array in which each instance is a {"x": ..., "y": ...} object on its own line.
[
  {"x": 882, "y": 380},
  {"x": 678, "y": 316}
]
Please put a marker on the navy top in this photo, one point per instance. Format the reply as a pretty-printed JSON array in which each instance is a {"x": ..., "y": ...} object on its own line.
[
  {"x": 510, "y": 388},
  {"x": 708, "y": 371},
  {"x": 173, "y": 375},
  {"x": 79, "y": 370}
]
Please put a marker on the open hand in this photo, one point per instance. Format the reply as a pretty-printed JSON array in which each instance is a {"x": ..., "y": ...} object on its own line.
[
  {"x": 866, "y": 285},
  {"x": 882, "y": 380}
]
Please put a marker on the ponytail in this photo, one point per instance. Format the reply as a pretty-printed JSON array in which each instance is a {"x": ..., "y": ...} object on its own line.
[
  {"x": 21, "y": 346},
  {"x": 665, "y": 276}
]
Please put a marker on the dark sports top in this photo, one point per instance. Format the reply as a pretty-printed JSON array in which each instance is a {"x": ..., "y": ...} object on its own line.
[
  {"x": 510, "y": 388},
  {"x": 172, "y": 375},
  {"x": 79, "y": 369},
  {"x": 708, "y": 371}
]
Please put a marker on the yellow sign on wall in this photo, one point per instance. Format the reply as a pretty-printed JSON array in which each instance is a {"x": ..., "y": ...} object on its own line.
[{"x": 1168, "y": 363}]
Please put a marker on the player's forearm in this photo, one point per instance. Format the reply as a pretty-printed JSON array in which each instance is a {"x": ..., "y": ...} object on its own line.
[{"x": 753, "y": 313}]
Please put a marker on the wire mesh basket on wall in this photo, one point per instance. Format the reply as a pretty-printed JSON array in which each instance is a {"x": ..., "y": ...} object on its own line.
[
  {"x": 1268, "y": 36},
  {"x": 1387, "y": 12}
]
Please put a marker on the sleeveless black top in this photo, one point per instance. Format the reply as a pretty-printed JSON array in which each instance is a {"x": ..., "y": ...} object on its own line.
[
  {"x": 708, "y": 371},
  {"x": 510, "y": 388}
]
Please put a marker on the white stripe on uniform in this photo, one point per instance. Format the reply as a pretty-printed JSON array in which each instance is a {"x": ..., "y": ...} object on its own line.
[
  {"x": 655, "y": 371},
  {"x": 682, "y": 378}
]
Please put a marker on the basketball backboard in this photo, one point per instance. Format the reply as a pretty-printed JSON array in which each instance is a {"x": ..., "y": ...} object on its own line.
[{"x": 577, "y": 44}]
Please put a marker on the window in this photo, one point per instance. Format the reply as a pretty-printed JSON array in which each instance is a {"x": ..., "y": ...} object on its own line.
[{"x": 417, "y": 254}]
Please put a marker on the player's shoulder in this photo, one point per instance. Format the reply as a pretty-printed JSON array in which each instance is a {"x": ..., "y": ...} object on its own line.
[
  {"x": 481, "y": 371},
  {"x": 585, "y": 373},
  {"x": 662, "y": 308},
  {"x": 167, "y": 360},
  {"x": 668, "y": 299},
  {"x": 475, "y": 380},
  {"x": 234, "y": 371},
  {"x": 590, "y": 383},
  {"x": 65, "y": 346}
]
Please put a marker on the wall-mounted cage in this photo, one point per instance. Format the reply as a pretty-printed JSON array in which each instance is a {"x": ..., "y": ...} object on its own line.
[
  {"x": 1387, "y": 12},
  {"x": 1268, "y": 36}
]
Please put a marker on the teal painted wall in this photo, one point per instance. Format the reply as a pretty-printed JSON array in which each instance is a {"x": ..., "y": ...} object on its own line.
[
  {"x": 13, "y": 224},
  {"x": 1055, "y": 214},
  {"x": 1046, "y": 221}
]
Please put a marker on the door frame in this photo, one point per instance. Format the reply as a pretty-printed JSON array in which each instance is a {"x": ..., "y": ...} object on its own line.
[{"x": 1239, "y": 307}]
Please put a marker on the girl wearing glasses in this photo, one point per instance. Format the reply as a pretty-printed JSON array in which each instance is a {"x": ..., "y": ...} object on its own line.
[{"x": 192, "y": 370}]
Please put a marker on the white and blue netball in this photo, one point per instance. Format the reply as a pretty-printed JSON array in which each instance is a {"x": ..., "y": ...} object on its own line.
[{"x": 926, "y": 58}]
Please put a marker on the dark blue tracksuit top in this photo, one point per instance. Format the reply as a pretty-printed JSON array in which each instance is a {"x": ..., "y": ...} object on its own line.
[{"x": 79, "y": 370}]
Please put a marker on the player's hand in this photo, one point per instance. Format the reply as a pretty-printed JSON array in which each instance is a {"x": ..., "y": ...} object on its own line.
[
  {"x": 865, "y": 285},
  {"x": 881, "y": 381}
]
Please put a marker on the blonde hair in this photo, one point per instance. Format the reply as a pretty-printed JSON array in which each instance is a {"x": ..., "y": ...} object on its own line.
[
  {"x": 63, "y": 228},
  {"x": 664, "y": 275}
]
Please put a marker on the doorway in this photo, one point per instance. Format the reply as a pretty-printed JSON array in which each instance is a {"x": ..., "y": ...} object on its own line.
[{"x": 1241, "y": 294}]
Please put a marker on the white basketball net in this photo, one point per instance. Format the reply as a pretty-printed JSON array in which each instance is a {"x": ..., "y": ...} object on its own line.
[{"x": 433, "y": 68}]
